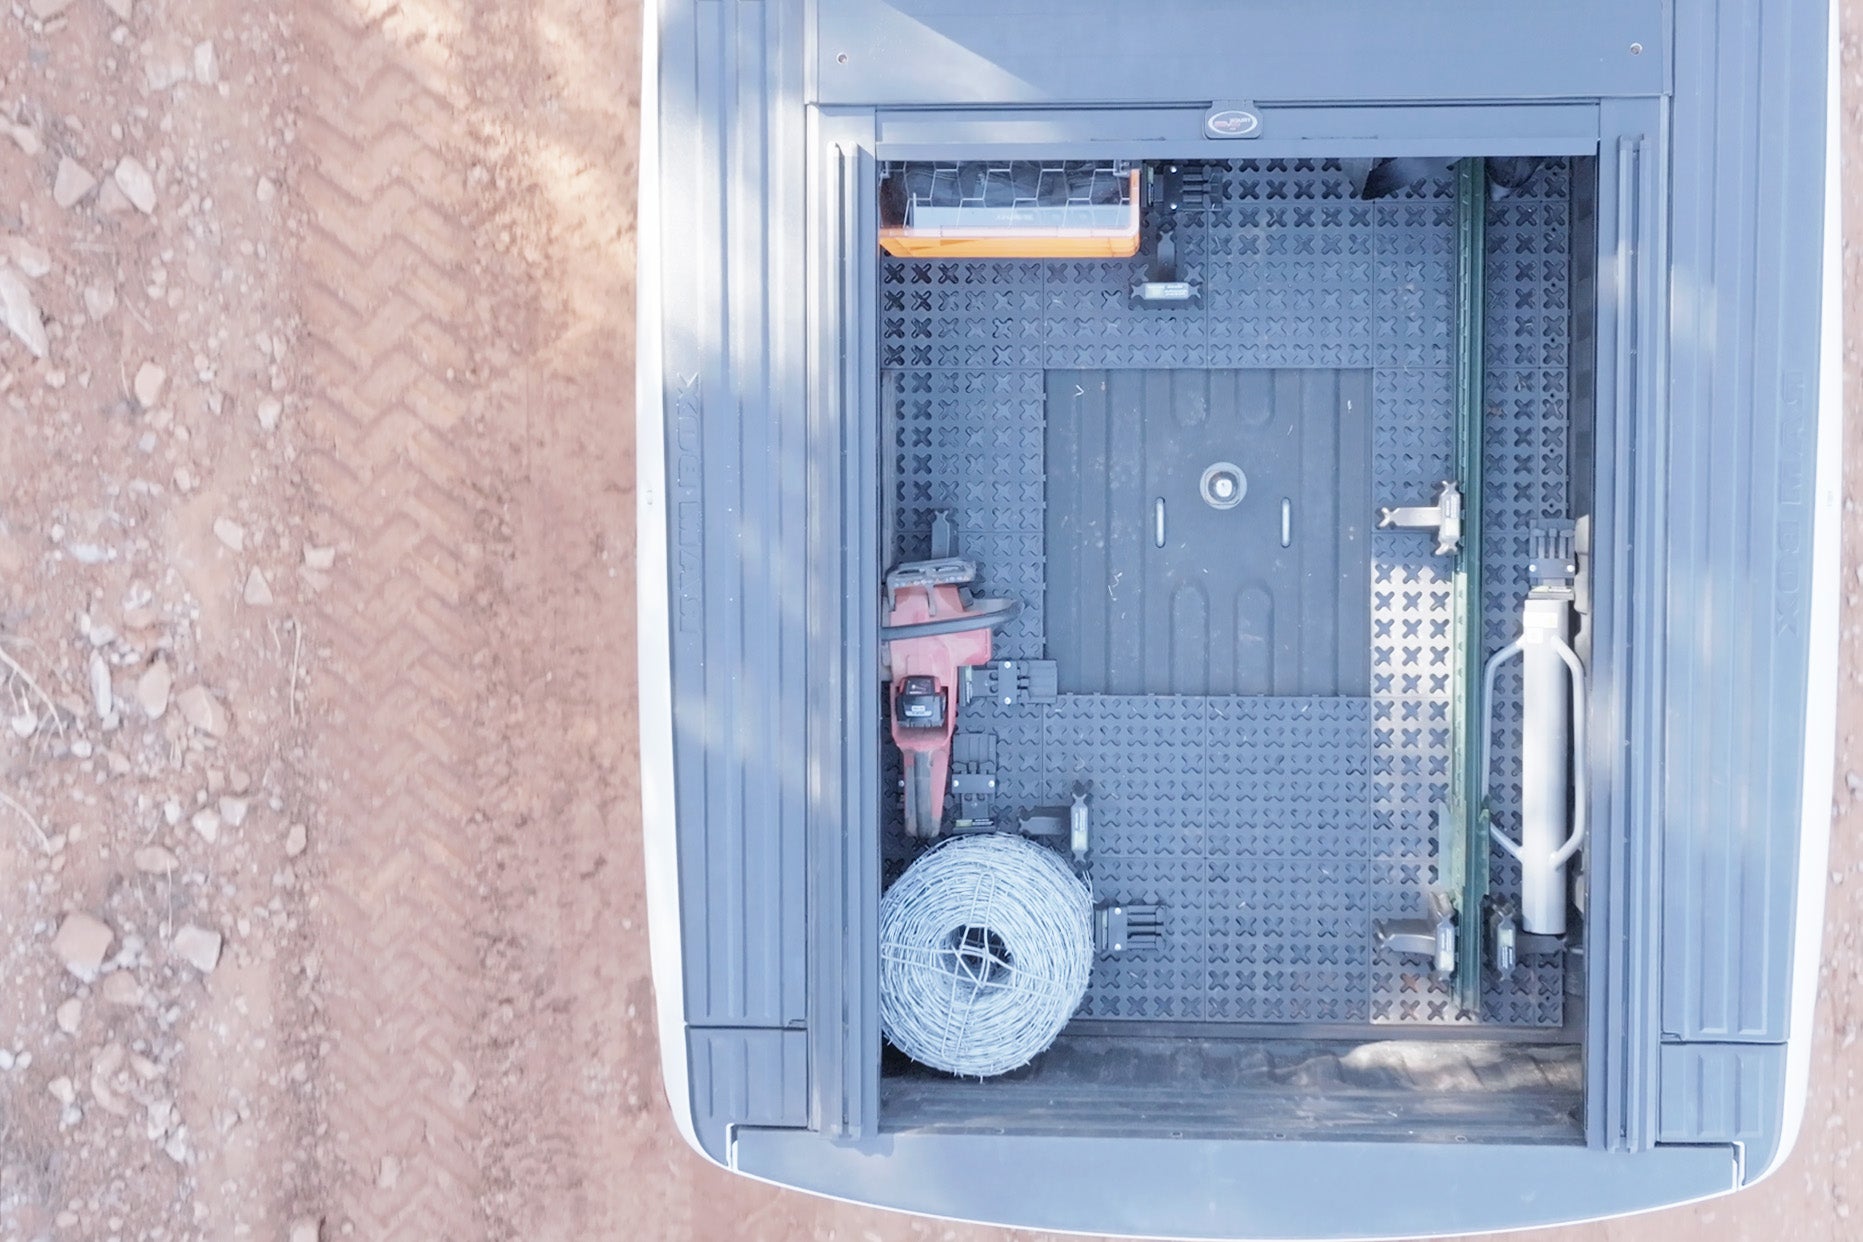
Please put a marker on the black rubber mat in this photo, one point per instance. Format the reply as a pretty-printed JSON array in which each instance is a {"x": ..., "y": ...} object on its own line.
[{"x": 1207, "y": 531}]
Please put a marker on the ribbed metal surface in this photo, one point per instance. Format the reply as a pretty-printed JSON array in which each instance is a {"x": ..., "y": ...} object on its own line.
[
  {"x": 749, "y": 1077},
  {"x": 1721, "y": 1093},
  {"x": 1738, "y": 474},
  {"x": 736, "y": 480}
]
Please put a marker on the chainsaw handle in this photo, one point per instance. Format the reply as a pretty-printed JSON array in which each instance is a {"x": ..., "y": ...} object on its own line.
[{"x": 984, "y": 614}]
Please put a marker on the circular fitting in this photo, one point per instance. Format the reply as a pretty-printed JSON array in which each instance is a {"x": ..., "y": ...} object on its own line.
[{"x": 1223, "y": 485}]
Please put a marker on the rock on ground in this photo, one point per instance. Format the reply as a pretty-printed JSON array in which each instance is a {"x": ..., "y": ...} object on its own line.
[
  {"x": 136, "y": 183},
  {"x": 202, "y": 711},
  {"x": 148, "y": 384},
  {"x": 81, "y": 942},
  {"x": 154, "y": 860},
  {"x": 198, "y": 947},
  {"x": 103, "y": 698},
  {"x": 152, "y": 689},
  {"x": 72, "y": 182},
  {"x": 21, "y": 313},
  {"x": 120, "y": 987}
]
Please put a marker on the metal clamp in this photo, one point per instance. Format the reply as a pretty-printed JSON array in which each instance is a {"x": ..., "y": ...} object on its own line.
[
  {"x": 1009, "y": 682},
  {"x": 1432, "y": 936},
  {"x": 973, "y": 781},
  {"x": 1444, "y": 517},
  {"x": 1062, "y": 821},
  {"x": 1121, "y": 927}
]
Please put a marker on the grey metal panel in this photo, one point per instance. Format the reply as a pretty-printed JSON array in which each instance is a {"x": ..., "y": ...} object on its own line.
[
  {"x": 732, "y": 263},
  {"x": 1293, "y": 130},
  {"x": 843, "y": 603},
  {"x": 1723, "y": 1093},
  {"x": 755, "y": 1077},
  {"x": 1055, "y": 51},
  {"x": 1208, "y": 1188},
  {"x": 1622, "y": 914},
  {"x": 1748, "y": 113},
  {"x": 1151, "y": 590}
]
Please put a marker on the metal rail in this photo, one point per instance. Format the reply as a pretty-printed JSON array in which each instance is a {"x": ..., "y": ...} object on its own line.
[{"x": 1463, "y": 837}]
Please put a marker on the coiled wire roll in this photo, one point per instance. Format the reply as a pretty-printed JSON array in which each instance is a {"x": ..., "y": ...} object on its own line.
[{"x": 985, "y": 946}]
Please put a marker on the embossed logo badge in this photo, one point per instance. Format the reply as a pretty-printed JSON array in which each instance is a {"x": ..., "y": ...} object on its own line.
[{"x": 1232, "y": 121}]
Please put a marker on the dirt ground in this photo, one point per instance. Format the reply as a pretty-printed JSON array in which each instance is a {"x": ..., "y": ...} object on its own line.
[{"x": 320, "y": 888}]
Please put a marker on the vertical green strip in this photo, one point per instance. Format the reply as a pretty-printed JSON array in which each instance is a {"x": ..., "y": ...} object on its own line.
[{"x": 1465, "y": 847}]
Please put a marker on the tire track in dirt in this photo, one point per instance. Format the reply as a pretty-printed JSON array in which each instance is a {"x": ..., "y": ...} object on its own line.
[{"x": 386, "y": 312}]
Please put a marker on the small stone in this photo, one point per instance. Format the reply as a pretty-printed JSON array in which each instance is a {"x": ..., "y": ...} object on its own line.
[
  {"x": 111, "y": 201},
  {"x": 202, "y": 711},
  {"x": 206, "y": 64},
  {"x": 45, "y": 10},
  {"x": 148, "y": 385},
  {"x": 24, "y": 137},
  {"x": 269, "y": 410},
  {"x": 258, "y": 590},
  {"x": 230, "y": 533},
  {"x": 136, "y": 183},
  {"x": 233, "y": 811},
  {"x": 305, "y": 1229},
  {"x": 103, "y": 699},
  {"x": 119, "y": 987},
  {"x": 21, "y": 313},
  {"x": 27, "y": 255},
  {"x": 296, "y": 838},
  {"x": 81, "y": 943},
  {"x": 154, "y": 860},
  {"x": 266, "y": 190},
  {"x": 198, "y": 947},
  {"x": 318, "y": 558},
  {"x": 121, "y": 8},
  {"x": 207, "y": 823},
  {"x": 62, "y": 1090},
  {"x": 388, "y": 1173},
  {"x": 69, "y": 1014},
  {"x": 152, "y": 689},
  {"x": 72, "y": 182},
  {"x": 99, "y": 301},
  {"x": 167, "y": 61}
]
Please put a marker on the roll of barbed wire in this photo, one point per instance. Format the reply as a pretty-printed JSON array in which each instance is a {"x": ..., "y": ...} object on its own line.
[{"x": 985, "y": 946}]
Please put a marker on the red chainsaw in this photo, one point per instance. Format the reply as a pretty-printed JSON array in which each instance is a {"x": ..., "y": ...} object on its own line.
[{"x": 932, "y": 630}]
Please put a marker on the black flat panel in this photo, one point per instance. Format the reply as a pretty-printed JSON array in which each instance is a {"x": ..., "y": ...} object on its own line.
[{"x": 1153, "y": 589}]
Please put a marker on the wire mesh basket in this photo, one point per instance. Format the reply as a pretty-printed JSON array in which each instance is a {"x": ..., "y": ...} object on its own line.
[{"x": 1033, "y": 209}]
